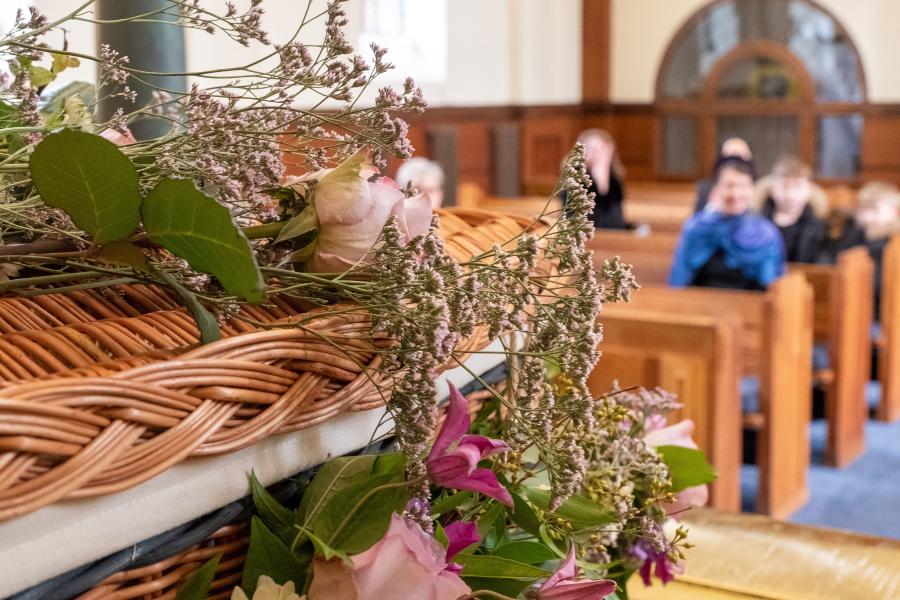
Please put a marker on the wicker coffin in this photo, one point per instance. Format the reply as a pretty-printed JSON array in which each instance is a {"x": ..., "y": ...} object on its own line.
[{"x": 101, "y": 390}]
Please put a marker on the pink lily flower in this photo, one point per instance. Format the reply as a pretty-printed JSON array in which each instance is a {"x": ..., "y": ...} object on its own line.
[
  {"x": 460, "y": 535},
  {"x": 454, "y": 458},
  {"x": 565, "y": 585}
]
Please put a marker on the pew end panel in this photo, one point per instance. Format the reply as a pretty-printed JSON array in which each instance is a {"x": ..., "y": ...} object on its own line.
[
  {"x": 889, "y": 354},
  {"x": 692, "y": 356},
  {"x": 843, "y": 321}
]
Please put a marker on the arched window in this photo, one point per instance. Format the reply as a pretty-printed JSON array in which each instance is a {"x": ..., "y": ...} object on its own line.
[{"x": 782, "y": 74}]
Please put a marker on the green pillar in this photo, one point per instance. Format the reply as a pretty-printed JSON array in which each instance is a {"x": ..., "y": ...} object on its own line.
[{"x": 157, "y": 47}]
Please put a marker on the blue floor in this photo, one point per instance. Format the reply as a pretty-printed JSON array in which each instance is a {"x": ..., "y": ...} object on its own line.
[{"x": 864, "y": 497}]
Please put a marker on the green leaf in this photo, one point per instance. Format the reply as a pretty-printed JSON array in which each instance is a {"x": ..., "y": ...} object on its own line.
[
  {"x": 301, "y": 224},
  {"x": 267, "y": 555},
  {"x": 583, "y": 513},
  {"x": 40, "y": 77},
  {"x": 486, "y": 521},
  {"x": 124, "y": 253},
  {"x": 687, "y": 467},
  {"x": 495, "y": 567},
  {"x": 447, "y": 503},
  {"x": 206, "y": 321},
  {"x": 357, "y": 517},
  {"x": 523, "y": 516},
  {"x": 276, "y": 517},
  {"x": 326, "y": 551},
  {"x": 61, "y": 62},
  {"x": 334, "y": 476},
  {"x": 192, "y": 225},
  {"x": 91, "y": 180},
  {"x": 525, "y": 551},
  {"x": 197, "y": 586}
]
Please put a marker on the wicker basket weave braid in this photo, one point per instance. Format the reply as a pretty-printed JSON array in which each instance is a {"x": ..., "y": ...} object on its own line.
[{"x": 101, "y": 390}]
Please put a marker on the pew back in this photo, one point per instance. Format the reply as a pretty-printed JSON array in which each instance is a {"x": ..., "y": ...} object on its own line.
[
  {"x": 775, "y": 346},
  {"x": 696, "y": 358}
]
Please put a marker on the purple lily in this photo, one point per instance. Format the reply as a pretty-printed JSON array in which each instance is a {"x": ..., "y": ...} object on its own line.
[
  {"x": 457, "y": 467},
  {"x": 655, "y": 562},
  {"x": 460, "y": 535},
  {"x": 565, "y": 585}
]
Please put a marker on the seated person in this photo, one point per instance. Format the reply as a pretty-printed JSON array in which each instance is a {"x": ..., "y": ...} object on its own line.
[
  {"x": 843, "y": 233},
  {"x": 727, "y": 245},
  {"x": 789, "y": 206},
  {"x": 734, "y": 146},
  {"x": 607, "y": 173},
  {"x": 424, "y": 175},
  {"x": 878, "y": 214}
]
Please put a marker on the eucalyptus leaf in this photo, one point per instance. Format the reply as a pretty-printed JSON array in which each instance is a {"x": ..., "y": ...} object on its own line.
[
  {"x": 192, "y": 225},
  {"x": 90, "y": 179},
  {"x": 277, "y": 518},
  {"x": 197, "y": 587},
  {"x": 583, "y": 513},
  {"x": 687, "y": 467},
  {"x": 268, "y": 555}
]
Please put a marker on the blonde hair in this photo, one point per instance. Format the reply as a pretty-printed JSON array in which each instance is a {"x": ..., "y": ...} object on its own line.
[
  {"x": 876, "y": 191},
  {"x": 617, "y": 168}
]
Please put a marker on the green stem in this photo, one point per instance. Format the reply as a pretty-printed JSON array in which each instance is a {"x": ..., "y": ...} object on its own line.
[{"x": 264, "y": 231}]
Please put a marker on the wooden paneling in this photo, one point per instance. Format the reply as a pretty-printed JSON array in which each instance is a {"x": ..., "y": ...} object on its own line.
[{"x": 546, "y": 133}]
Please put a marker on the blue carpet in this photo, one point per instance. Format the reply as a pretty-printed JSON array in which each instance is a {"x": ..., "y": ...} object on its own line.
[{"x": 864, "y": 497}]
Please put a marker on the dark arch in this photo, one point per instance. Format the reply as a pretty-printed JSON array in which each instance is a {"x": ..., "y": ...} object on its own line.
[{"x": 689, "y": 26}]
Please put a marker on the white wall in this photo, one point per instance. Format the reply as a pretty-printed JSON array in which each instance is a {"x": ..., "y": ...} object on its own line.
[
  {"x": 642, "y": 29},
  {"x": 500, "y": 51}
]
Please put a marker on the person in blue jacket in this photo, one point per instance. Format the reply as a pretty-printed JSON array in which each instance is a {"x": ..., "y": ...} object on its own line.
[{"x": 726, "y": 245}]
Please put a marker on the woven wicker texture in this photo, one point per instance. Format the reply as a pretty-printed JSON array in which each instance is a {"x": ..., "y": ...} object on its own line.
[{"x": 102, "y": 390}]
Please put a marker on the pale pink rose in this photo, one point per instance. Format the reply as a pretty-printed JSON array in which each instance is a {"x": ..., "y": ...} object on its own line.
[
  {"x": 352, "y": 212},
  {"x": 678, "y": 434},
  {"x": 117, "y": 138},
  {"x": 406, "y": 563}
]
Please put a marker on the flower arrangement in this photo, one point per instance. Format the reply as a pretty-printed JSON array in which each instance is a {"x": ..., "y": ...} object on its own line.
[{"x": 549, "y": 493}]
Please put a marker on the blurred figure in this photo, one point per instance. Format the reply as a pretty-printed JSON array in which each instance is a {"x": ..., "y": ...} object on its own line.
[
  {"x": 789, "y": 206},
  {"x": 726, "y": 245},
  {"x": 878, "y": 214},
  {"x": 424, "y": 175},
  {"x": 607, "y": 174},
  {"x": 732, "y": 147}
]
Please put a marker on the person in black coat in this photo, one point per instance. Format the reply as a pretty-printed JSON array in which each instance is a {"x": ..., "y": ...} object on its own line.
[
  {"x": 788, "y": 207},
  {"x": 607, "y": 174},
  {"x": 732, "y": 147}
]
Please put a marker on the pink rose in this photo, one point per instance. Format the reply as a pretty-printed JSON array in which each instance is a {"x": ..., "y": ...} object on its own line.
[
  {"x": 678, "y": 434},
  {"x": 119, "y": 139},
  {"x": 406, "y": 563},
  {"x": 352, "y": 211}
]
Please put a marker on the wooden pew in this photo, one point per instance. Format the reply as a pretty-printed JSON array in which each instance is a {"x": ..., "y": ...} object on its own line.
[
  {"x": 696, "y": 358},
  {"x": 776, "y": 346},
  {"x": 843, "y": 321},
  {"x": 889, "y": 341}
]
